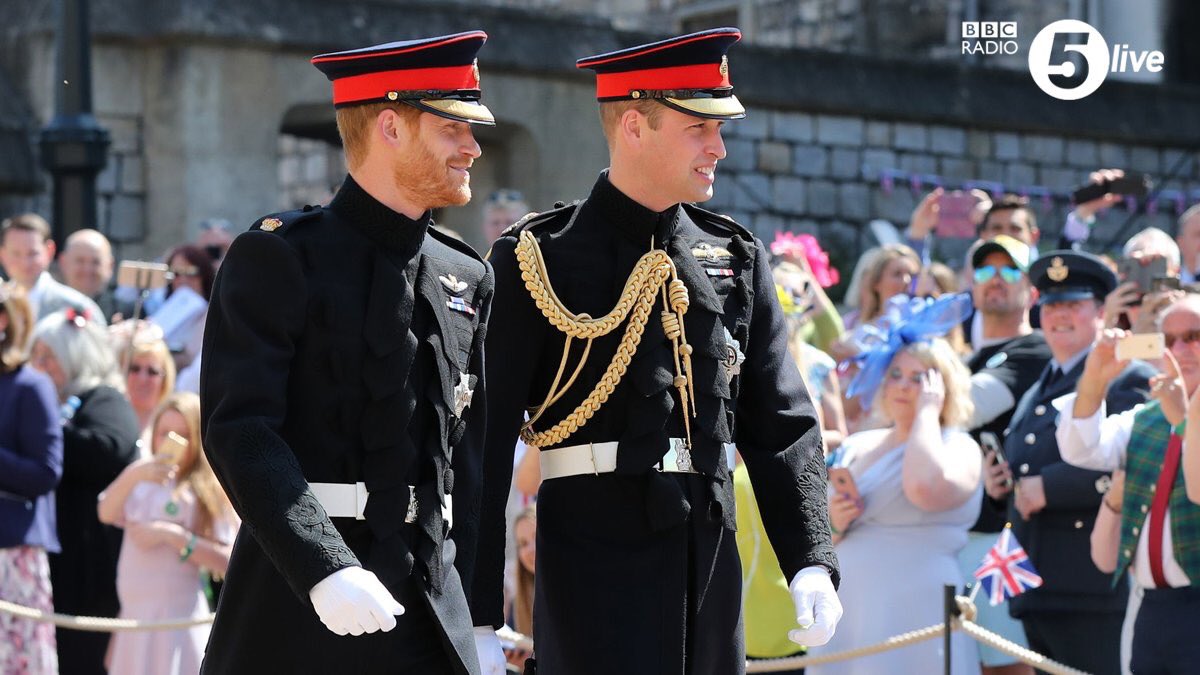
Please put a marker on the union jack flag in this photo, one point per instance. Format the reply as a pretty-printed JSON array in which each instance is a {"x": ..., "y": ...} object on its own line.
[{"x": 1006, "y": 570}]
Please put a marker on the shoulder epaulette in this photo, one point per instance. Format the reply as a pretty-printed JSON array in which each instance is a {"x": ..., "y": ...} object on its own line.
[
  {"x": 454, "y": 243},
  {"x": 718, "y": 219},
  {"x": 279, "y": 223},
  {"x": 533, "y": 219}
]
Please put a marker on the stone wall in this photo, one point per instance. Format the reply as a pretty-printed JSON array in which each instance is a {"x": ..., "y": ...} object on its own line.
[
  {"x": 215, "y": 111},
  {"x": 826, "y": 174}
]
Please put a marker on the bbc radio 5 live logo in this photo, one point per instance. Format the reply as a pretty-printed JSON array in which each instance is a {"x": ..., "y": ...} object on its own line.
[{"x": 1068, "y": 59}]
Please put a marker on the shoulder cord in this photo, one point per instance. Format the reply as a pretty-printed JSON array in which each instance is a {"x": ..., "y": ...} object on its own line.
[{"x": 637, "y": 299}]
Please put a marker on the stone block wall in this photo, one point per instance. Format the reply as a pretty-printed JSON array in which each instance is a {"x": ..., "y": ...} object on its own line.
[{"x": 829, "y": 175}]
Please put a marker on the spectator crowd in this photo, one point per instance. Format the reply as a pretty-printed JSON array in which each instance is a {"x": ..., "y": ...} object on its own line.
[{"x": 1036, "y": 388}]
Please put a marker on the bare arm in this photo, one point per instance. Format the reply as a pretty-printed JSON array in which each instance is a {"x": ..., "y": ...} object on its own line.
[
  {"x": 110, "y": 507},
  {"x": 528, "y": 477},
  {"x": 939, "y": 472}
]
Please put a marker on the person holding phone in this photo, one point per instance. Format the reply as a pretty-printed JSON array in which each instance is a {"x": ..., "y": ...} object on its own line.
[
  {"x": 1075, "y": 616},
  {"x": 1151, "y": 259},
  {"x": 176, "y": 519},
  {"x": 1158, "y": 536},
  {"x": 1007, "y": 361},
  {"x": 903, "y": 496}
]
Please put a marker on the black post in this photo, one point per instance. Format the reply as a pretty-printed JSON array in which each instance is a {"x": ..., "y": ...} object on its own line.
[
  {"x": 950, "y": 610},
  {"x": 74, "y": 146}
]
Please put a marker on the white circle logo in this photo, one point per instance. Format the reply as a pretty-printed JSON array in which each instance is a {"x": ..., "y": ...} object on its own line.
[{"x": 1068, "y": 59}]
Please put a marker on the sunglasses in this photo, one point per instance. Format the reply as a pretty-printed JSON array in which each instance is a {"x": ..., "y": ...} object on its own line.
[
  {"x": 151, "y": 371},
  {"x": 504, "y": 196},
  {"x": 1010, "y": 275},
  {"x": 1190, "y": 337}
]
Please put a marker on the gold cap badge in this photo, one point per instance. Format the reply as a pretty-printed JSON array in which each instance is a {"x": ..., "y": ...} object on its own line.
[
  {"x": 724, "y": 65},
  {"x": 1057, "y": 270},
  {"x": 475, "y": 71},
  {"x": 271, "y": 224}
]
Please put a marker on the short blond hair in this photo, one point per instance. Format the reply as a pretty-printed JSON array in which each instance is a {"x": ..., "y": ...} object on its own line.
[
  {"x": 354, "y": 124},
  {"x": 611, "y": 113},
  {"x": 939, "y": 355}
]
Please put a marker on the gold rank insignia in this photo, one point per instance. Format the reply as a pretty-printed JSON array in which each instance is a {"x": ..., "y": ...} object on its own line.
[
  {"x": 271, "y": 224},
  {"x": 710, "y": 253},
  {"x": 1057, "y": 270}
]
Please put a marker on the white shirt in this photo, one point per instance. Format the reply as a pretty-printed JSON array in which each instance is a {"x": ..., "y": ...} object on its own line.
[{"x": 1099, "y": 443}]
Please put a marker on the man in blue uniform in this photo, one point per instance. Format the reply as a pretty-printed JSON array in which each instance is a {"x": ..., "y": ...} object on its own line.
[
  {"x": 342, "y": 354},
  {"x": 643, "y": 336},
  {"x": 1075, "y": 616}
]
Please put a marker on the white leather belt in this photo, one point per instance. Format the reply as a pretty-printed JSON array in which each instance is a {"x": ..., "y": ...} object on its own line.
[
  {"x": 598, "y": 458},
  {"x": 349, "y": 500}
]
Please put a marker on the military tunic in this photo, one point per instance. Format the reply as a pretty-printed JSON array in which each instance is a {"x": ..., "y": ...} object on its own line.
[
  {"x": 341, "y": 346},
  {"x": 637, "y": 570},
  {"x": 1077, "y": 605}
]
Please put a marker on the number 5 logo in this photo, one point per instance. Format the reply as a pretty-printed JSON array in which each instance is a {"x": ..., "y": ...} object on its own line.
[{"x": 1068, "y": 59}]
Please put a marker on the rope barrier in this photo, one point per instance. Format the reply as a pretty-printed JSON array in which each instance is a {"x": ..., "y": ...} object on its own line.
[
  {"x": 524, "y": 642},
  {"x": 97, "y": 624}
]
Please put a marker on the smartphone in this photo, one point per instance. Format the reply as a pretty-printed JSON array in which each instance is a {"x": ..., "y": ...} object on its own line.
[
  {"x": 1134, "y": 185},
  {"x": 171, "y": 451},
  {"x": 843, "y": 482},
  {"x": 1166, "y": 284},
  {"x": 1142, "y": 275},
  {"x": 141, "y": 275},
  {"x": 1144, "y": 346},
  {"x": 954, "y": 214},
  {"x": 989, "y": 443}
]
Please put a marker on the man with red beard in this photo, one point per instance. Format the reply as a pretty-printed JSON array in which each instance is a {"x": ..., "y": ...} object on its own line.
[
  {"x": 671, "y": 313},
  {"x": 342, "y": 354}
]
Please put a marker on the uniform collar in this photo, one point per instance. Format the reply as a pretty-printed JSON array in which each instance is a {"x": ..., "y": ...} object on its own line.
[
  {"x": 636, "y": 222},
  {"x": 383, "y": 226}
]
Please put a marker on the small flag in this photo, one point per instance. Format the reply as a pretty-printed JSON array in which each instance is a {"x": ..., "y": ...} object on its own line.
[{"x": 1006, "y": 570}]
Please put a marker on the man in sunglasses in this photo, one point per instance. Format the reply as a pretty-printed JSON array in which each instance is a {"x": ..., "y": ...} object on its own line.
[
  {"x": 1075, "y": 616},
  {"x": 1153, "y": 528},
  {"x": 1009, "y": 357}
]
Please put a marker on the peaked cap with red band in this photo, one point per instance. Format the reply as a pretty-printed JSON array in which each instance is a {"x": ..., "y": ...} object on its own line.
[
  {"x": 437, "y": 75},
  {"x": 689, "y": 73}
]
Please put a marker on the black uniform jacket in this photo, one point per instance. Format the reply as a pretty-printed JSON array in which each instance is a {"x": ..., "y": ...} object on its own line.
[
  {"x": 1018, "y": 363},
  {"x": 637, "y": 570},
  {"x": 1058, "y": 538},
  {"x": 337, "y": 340}
]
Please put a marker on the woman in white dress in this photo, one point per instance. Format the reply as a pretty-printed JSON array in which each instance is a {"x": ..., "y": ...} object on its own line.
[{"x": 918, "y": 492}]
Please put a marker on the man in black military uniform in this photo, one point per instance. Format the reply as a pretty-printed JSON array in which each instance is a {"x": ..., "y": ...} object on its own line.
[
  {"x": 342, "y": 352},
  {"x": 1075, "y": 616},
  {"x": 671, "y": 315}
]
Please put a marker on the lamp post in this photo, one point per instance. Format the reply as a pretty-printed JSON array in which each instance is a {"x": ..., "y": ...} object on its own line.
[{"x": 74, "y": 147}]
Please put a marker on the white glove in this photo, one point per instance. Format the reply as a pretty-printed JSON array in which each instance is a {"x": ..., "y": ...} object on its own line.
[
  {"x": 353, "y": 601},
  {"x": 818, "y": 609},
  {"x": 491, "y": 654}
]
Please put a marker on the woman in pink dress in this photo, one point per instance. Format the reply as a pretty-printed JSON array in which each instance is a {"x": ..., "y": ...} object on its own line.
[{"x": 177, "y": 521}]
